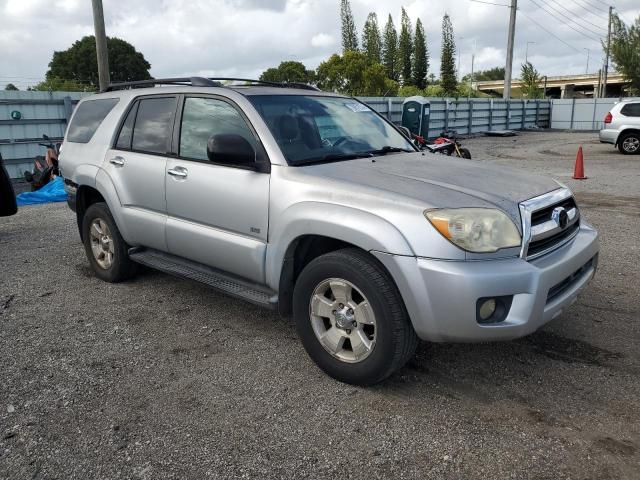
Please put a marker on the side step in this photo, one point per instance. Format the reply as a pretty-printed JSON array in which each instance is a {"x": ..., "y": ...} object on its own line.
[{"x": 223, "y": 282}]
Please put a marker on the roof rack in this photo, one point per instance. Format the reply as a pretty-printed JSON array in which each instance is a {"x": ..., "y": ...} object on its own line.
[{"x": 203, "y": 82}]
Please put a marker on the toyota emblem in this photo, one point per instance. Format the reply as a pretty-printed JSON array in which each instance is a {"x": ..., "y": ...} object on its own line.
[{"x": 560, "y": 216}]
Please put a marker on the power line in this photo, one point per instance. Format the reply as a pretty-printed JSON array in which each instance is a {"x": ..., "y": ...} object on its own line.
[
  {"x": 573, "y": 13},
  {"x": 564, "y": 23},
  {"x": 491, "y": 3},
  {"x": 550, "y": 33},
  {"x": 587, "y": 9}
]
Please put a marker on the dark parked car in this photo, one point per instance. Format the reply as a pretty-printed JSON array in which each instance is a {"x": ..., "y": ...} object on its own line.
[{"x": 7, "y": 196}]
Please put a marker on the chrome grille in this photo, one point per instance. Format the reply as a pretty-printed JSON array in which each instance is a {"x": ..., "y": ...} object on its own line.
[{"x": 548, "y": 222}]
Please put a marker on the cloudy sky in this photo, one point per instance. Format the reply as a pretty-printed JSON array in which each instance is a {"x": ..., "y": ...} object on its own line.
[{"x": 244, "y": 37}]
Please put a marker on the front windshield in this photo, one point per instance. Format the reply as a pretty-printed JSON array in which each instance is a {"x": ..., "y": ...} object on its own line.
[{"x": 312, "y": 129}]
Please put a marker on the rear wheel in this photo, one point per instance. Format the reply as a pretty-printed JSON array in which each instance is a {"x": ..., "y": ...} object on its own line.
[
  {"x": 629, "y": 143},
  {"x": 351, "y": 318},
  {"x": 104, "y": 246}
]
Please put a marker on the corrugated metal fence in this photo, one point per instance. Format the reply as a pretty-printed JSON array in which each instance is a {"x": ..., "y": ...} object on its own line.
[
  {"x": 49, "y": 112},
  {"x": 40, "y": 113},
  {"x": 580, "y": 113},
  {"x": 473, "y": 115}
]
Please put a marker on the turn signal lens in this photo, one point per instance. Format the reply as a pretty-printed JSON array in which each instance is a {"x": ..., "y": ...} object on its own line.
[{"x": 480, "y": 230}]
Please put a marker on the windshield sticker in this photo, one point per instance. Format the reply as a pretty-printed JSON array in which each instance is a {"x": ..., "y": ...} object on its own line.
[{"x": 357, "y": 107}]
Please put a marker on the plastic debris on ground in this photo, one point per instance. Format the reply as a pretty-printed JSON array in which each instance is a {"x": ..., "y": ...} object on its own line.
[{"x": 51, "y": 192}]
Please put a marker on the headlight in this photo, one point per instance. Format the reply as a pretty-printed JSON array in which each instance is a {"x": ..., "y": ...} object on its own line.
[{"x": 475, "y": 229}]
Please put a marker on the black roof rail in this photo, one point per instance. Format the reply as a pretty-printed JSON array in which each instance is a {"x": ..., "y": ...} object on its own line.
[
  {"x": 204, "y": 82},
  {"x": 187, "y": 81}
]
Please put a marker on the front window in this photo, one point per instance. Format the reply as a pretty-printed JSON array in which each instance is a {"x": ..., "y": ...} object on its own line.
[{"x": 312, "y": 129}]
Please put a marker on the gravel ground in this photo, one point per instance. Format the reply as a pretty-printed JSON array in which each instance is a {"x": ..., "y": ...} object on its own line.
[{"x": 160, "y": 378}]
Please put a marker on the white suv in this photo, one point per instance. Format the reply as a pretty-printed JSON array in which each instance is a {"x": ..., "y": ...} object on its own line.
[{"x": 622, "y": 126}]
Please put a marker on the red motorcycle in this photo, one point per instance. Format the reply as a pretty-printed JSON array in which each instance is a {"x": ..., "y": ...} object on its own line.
[{"x": 446, "y": 144}]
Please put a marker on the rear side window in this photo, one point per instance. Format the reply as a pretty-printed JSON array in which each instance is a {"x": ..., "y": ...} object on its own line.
[
  {"x": 126, "y": 132},
  {"x": 152, "y": 129},
  {"x": 631, "y": 110},
  {"x": 88, "y": 118}
]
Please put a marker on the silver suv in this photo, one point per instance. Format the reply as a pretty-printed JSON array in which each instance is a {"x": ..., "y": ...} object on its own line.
[
  {"x": 622, "y": 126},
  {"x": 314, "y": 205}
]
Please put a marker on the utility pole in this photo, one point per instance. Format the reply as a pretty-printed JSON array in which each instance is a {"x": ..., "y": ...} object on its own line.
[
  {"x": 526, "y": 52},
  {"x": 606, "y": 62},
  {"x": 101, "y": 44},
  {"x": 506, "y": 93}
]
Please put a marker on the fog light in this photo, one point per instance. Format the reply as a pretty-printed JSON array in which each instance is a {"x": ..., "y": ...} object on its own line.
[{"x": 487, "y": 308}]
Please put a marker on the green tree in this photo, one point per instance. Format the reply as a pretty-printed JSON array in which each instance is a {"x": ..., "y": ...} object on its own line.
[
  {"x": 390, "y": 50},
  {"x": 420, "y": 57},
  {"x": 79, "y": 63},
  {"x": 405, "y": 47},
  {"x": 625, "y": 51},
  {"x": 371, "y": 40},
  {"x": 289, "y": 71},
  {"x": 410, "y": 91},
  {"x": 349, "y": 34},
  {"x": 530, "y": 81},
  {"x": 448, "y": 59},
  {"x": 55, "y": 84},
  {"x": 495, "y": 73},
  {"x": 352, "y": 74},
  {"x": 11, "y": 86}
]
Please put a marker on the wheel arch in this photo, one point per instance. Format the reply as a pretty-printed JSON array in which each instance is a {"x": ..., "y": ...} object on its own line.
[{"x": 624, "y": 131}]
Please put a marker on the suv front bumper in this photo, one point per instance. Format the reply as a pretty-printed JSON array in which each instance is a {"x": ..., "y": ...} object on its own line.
[{"x": 441, "y": 296}]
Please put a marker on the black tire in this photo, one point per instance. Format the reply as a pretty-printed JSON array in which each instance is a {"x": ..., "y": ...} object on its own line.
[
  {"x": 121, "y": 267},
  {"x": 465, "y": 153},
  {"x": 626, "y": 140},
  {"x": 396, "y": 340}
]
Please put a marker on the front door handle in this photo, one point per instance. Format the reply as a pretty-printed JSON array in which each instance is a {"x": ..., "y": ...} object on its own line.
[
  {"x": 118, "y": 161},
  {"x": 178, "y": 172}
]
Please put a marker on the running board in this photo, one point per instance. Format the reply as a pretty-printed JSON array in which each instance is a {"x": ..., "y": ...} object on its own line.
[{"x": 222, "y": 282}]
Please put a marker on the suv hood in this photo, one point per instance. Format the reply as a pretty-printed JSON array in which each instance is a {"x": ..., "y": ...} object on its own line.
[{"x": 440, "y": 181}]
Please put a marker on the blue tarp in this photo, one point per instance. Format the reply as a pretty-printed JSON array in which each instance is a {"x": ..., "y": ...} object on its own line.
[{"x": 51, "y": 192}]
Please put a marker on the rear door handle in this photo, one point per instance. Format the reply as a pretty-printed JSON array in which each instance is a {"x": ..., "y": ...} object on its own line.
[
  {"x": 178, "y": 172},
  {"x": 118, "y": 161}
]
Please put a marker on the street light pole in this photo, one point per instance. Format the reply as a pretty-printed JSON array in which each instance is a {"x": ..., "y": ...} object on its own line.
[
  {"x": 588, "y": 53},
  {"x": 526, "y": 52}
]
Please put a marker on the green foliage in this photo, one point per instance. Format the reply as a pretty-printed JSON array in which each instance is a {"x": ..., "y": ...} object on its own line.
[
  {"x": 434, "y": 91},
  {"x": 405, "y": 48},
  {"x": 625, "y": 51},
  {"x": 390, "y": 50},
  {"x": 420, "y": 57},
  {"x": 371, "y": 39},
  {"x": 290, "y": 71},
  {"x": 530, "y": 80},
  {"x": 448, "y": 79},
  {"x": 495, "y": 73},
  {"x": 55, "y": 84},
  {"x": 79, "y": 62},
  {"x": 410, "y": 91},
  {"x": 349, "y": 34},
  {"x": 352, "y": 74},
  {"x": 11, "y": 86}
]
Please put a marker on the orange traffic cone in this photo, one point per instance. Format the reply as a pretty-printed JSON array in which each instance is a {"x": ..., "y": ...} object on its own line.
[{"x": 578, "y": 169}]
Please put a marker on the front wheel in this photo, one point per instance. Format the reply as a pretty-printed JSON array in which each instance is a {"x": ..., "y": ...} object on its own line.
[
  {"x": 104, "y": 246},
  {"x": 629, "y": 143},
  {"x": 465, "y": 153},
  {"x": 351, "y": 318}
]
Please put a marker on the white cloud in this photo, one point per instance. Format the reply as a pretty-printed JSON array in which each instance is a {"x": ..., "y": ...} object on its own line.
[
  {"x": 244, "y": 37},
  {"x": 323, "y": 40}
]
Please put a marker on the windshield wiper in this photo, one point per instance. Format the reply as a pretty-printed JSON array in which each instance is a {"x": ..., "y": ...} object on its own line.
[
  {"x": 388, "y": 149},
  {"x": 334, "y": 157}
]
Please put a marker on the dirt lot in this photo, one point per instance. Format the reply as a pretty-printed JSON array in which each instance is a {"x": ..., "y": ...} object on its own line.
[{"x": 159, "y": 378}]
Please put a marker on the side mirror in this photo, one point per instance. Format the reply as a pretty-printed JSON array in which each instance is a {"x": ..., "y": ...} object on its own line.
[
  {"x": 406, "y": 132},
  {"x": 232, "y": 149}
]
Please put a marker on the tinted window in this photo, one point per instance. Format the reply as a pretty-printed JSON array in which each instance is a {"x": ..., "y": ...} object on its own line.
[
  {"x": 204, "y": 117},
  {"x": 631, "y": 110},
  {"x": 152, "y": 129},
  {"x": 88, "y": 118},
  {"x": 126, "y": 132}
]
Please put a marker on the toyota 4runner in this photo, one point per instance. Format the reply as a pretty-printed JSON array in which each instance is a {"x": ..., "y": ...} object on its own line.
[{"x": 312, "y": 204}]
